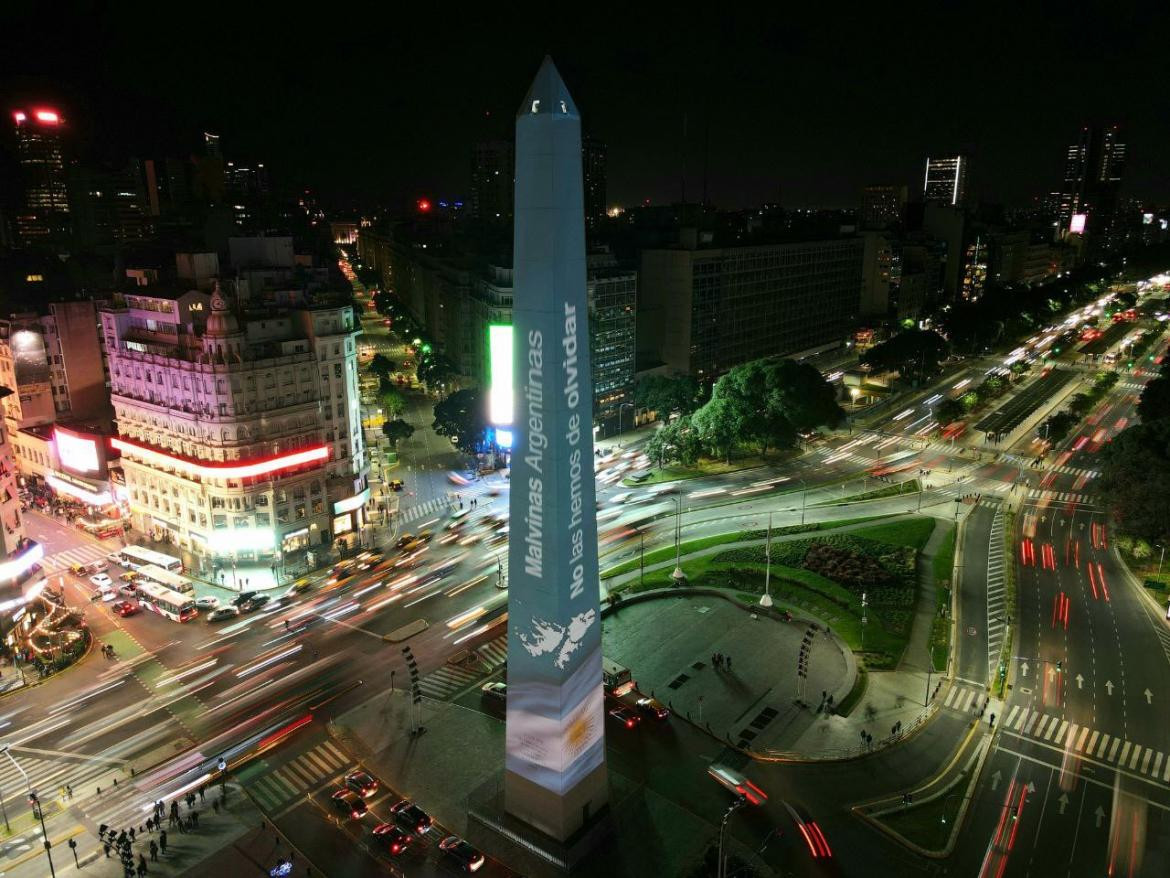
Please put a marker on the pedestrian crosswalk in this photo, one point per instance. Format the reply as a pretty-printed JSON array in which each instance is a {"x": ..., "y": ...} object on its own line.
[
  {"x": 84, "y": 554},
  {"x": 965, "y": 699},
  {"x": 449, "y": 680},
  {"x": 438, "y": 505},
  {"x": 52, "y": 777},
  {"x": 1076, "y": 471},
  {"x": 1037, "y": 495},
  {"x": 324, "y": 762},
  {"x": 997, "y": 609},
  {"x": 1088, "y": 742}
]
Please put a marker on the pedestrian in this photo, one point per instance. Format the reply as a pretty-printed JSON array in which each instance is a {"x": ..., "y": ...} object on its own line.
[
  {"x": 68, "y": 791},
  {"x": 162, "y": 841},
  {"x": 202, "y": 787},
  {"x": 195, "y": 819},
  {"x": 131, "y": 835},
  {"x": 150, "y": 825},
  {"x": 99, "y": 791},
  {"x": 142, "y": 870},
  {"x": 729, "y": 663},
  {"x": 106, "y": 845},
  {"x": 154, "y": 852},
  {"x": 215, "y": 805}
]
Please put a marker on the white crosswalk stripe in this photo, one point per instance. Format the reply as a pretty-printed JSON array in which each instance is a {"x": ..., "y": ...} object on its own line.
[
  {"x": 1038, "y": 495},
  {"x": 445, "y": 682},
  {"x": 1093, "y": 743},
  {"x": 85, "y": 554},
  {"x": 49, "y": 776},
  {"x": 997, "y": 609},
  {"x": 437, "y": 505},
  {"x": 964, "y": 699},
  {"x": 322, "y": 763}
]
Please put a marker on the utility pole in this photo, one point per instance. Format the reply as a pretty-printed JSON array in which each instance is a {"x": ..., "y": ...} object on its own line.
[
  {"x": 739, "y": 802},
  {"x": 803, "y": 498},
  {"x": 678, "y": 576}
]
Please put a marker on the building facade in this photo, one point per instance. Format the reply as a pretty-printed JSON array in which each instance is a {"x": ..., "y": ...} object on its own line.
[
  {"x": 946, "y": 180},
  {"x": 882, "y": 206},
  {"x": 702, "y": 311},
  {"x": 593, "y": 167},
  {"x": 43, "y": 218},
  {"x": 493, "y": 172},
  {"x": 19, "y": 556},
  {"x": 240, "y": 436},
  {"x": 1093, "y": 168}
]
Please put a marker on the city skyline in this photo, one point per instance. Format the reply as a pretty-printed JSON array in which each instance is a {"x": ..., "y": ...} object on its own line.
[{"x": 843, "y": 106}]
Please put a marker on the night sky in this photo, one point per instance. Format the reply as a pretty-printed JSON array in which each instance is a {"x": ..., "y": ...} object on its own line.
[{"x": 384, "y": 108}]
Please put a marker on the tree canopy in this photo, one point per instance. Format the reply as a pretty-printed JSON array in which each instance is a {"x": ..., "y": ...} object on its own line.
[
  {"x": 396, "y": 430},
  {"x": 666, "y": 394},
  {"x": 674, "y": 442},
  {"x": 393, "y": 403},
  {"x": 1155, "y": 400},
  {"x": 381, "y": 365},
  {"x": 1135, "y": 479},
  {"x": 915, "y": 353},
  {"x": 462, "y": 416}
]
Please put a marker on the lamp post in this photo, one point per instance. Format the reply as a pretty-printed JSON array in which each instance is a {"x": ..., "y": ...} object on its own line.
[
  {"x": 803, "y": 498},
  {"x": 766, "y": 600},
  {"x": 929, "y": 669},
  {"x": 739, "y": 802},
  {"x": 621, "y": 409},
  {"x": 677, "y": 575},
  {"x": 38, "y": 812},
  {"x": 1161, "y": 557},
  {"x": 642, "y": 558}
]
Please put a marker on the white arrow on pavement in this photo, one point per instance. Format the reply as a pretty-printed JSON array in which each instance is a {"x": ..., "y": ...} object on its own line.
[
  {"x": 1031, "y": 788},
  {"x": 995, "y": 781},
  {"x": 1024, "y": 669},
  {"x": 1149, "y": 696},
  {"x": 1080, "y": 681},
  {"x": 1109, "y": 686},
  {"x": 1051, "y": 673},
  {"x": 1063, "y": 802},
  {"x": 1100, "y": 815}
]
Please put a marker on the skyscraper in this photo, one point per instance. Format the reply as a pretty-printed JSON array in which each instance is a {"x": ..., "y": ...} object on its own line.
[
  {"x": 42, "y": 218},
  {"x": 881, "y": 206},
  {"x": 555, "y": 773},
  {"x": 1092, "y": 177},
  {"x": 946, "y": 180},
  {"x": 492, "y": 179},
  {"x": 593, "y": 160}
]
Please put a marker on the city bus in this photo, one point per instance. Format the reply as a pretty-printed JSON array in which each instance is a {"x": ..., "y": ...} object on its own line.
[
  {"x": 617, "y": 679},
  {"x": 175, "y": 605},
  {"x": 138, "y": 556},
  {"x": 166, "y": 578}
]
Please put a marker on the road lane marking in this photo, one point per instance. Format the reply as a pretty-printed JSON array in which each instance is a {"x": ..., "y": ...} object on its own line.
[
  {"x": 1113, "y": 749},
  {"x": 1072, "y": 733},
  {"x": 1093, "y": 742},
  {"x": 1124, "y": 753},
  {"x": 1145, "y": 769},
  {"x": 1157, "y": 765},
  {"x": 1011, "y": 716},
  {"x": 1032, "y": 722},
  {"x": 1136, "y": 752}
]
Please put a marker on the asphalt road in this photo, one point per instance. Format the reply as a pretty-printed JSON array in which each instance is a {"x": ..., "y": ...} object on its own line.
[{"x": 1012, "y": 413}]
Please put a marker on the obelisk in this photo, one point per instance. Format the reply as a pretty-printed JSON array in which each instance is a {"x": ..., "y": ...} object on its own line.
[{"x": 555, "y": 767}]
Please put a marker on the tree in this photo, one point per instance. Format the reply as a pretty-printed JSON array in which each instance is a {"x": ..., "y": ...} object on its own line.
[
  {"x": 393, "y": 402},
  {"x": 1155, "y": 401},
  {"x": 674, "y": 442},
  {"x": 666, "y": 395},
  {"x": 396, "y": 430},
  {"x": 462, "y": 416},
  {"x": 915, "y": 353},
  {"x": 435, "y": 369},
  {"x": 720, "y": 423},
  {"x": 949, "y": 410},
  {"x": 1135, "y": 480},
  {"x": 381, "y": 365}
]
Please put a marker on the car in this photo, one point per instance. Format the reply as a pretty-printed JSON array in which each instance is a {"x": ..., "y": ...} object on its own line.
[
  {"x": 127, "y": 608},
  {"x": 397, "y": 484},
  {"x": 404, "y": 540},
  {"x": 101, "y": 580},
  {"x": 254, "y": 603},
  {"x": 207, "y": 602},
  {"x": 425, "y": 536},
  {"x": 115, "y": 558},
  {"x": 410, "y": 816},
  {"x": 361, "y": 783},
  {"x": 243, "y": 598},
  {"x": 653, "y": 708},
  {"x": 737, "y": 783},
  {"x": 106, "y": 593},
  {"x": 79, "y": 569},
  {"x": 129, "y": 589},
  {"x": 459, "y": 851},
  {"x": 219, "y": 614},
  {"x": 393, "y": 839},
  {"x": 349, "y": 804},
  {"x": 497, "y": 689},
  {"x": 130, "y": 576},
  {"x": 626, "y": 717}
]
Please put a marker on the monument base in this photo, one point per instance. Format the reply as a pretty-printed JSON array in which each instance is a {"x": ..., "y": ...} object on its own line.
[{"x": 531, "y": 851}]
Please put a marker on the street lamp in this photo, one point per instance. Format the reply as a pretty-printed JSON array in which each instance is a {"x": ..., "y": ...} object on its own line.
[
  {"x": 621, "y": 409},
  {"x": 678, "y": 576},
  {"x": 1161, "y": 557},
  {"x": 766, "y": 600},
  {"x": 803, "y": 497},
  {"x": 38, "y": 812},
  {"x": 739, "y": 802}
]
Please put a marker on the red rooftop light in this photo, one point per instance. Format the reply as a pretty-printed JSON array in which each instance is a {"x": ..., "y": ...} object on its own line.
[{"x": 49, "y": 116}]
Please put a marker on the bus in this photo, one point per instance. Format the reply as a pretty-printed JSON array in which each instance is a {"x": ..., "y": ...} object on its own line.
[
  {"x": 166, "y": 578},
  {"x": 176, "y": 606},
  {"x": 138, "y": 556}
]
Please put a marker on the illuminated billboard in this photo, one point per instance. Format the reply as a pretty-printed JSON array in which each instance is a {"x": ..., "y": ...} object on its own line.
[
  {"x": 500, "y": 378},
  {"x": 1077, "y": 225},
  {"x": 80, "y": 453}
]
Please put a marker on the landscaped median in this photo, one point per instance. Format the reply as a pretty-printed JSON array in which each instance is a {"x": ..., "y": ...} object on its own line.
[
  {"x": 943, "y": 569},
  {"x": 824, "y": 575},
  {"x": 705, "y": 467}
]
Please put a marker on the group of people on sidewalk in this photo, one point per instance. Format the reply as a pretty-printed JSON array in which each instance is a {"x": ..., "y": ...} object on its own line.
[
  {"x": 720, "y": 661},
  {"x": 123, "y": 841}
]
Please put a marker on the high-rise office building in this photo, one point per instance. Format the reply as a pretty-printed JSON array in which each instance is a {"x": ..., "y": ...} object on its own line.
[
  {"x": 593, "y": 161},
  {"x": 946, "y": 180},
  {"x": 881, "y": 206},
  {"x": 42, "y": 217},
  {"x": 211, "y": 145},
  {"x": 1092, "y": 177},
  {"x": 493, "y": 171}
]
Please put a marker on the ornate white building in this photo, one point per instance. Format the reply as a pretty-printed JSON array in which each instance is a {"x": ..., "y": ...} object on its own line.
[{"x": 240, "y": 436}]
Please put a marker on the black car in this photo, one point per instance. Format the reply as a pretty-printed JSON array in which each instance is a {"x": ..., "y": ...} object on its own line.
[
  {"x": 461, "y": 853},
  {"x": 361, "y": 783},
  {"x": 254, "y": 603},
  {"x": 243, "y": 598},
  {"x": 393, "y": 839},
  {"x": 411, "y": 817},
  {"x": 349, "y": 804}
]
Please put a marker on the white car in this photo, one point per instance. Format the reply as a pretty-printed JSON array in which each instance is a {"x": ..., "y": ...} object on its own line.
[
  {"x": 101, "y": 580},
  {"x": 115, "y": 558},
  {"x": 221, "y": 613},
  {"x": 207, "y": 602}
]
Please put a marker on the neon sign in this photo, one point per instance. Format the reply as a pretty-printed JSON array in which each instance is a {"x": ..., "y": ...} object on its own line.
[{"x": 231, "y": 470}]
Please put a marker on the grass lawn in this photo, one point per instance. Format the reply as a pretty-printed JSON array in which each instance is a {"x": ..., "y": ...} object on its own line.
[
  {"x": 927, "y": 825},
  {"x": 944, "y": 558},
  {"x": 912, "y": 532},
  {"x": 855, "y": 695},
  {"x": 709, "y": 467},
  {"x": 910, "y": 487},
  {"x": 667, "y": 553}
]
